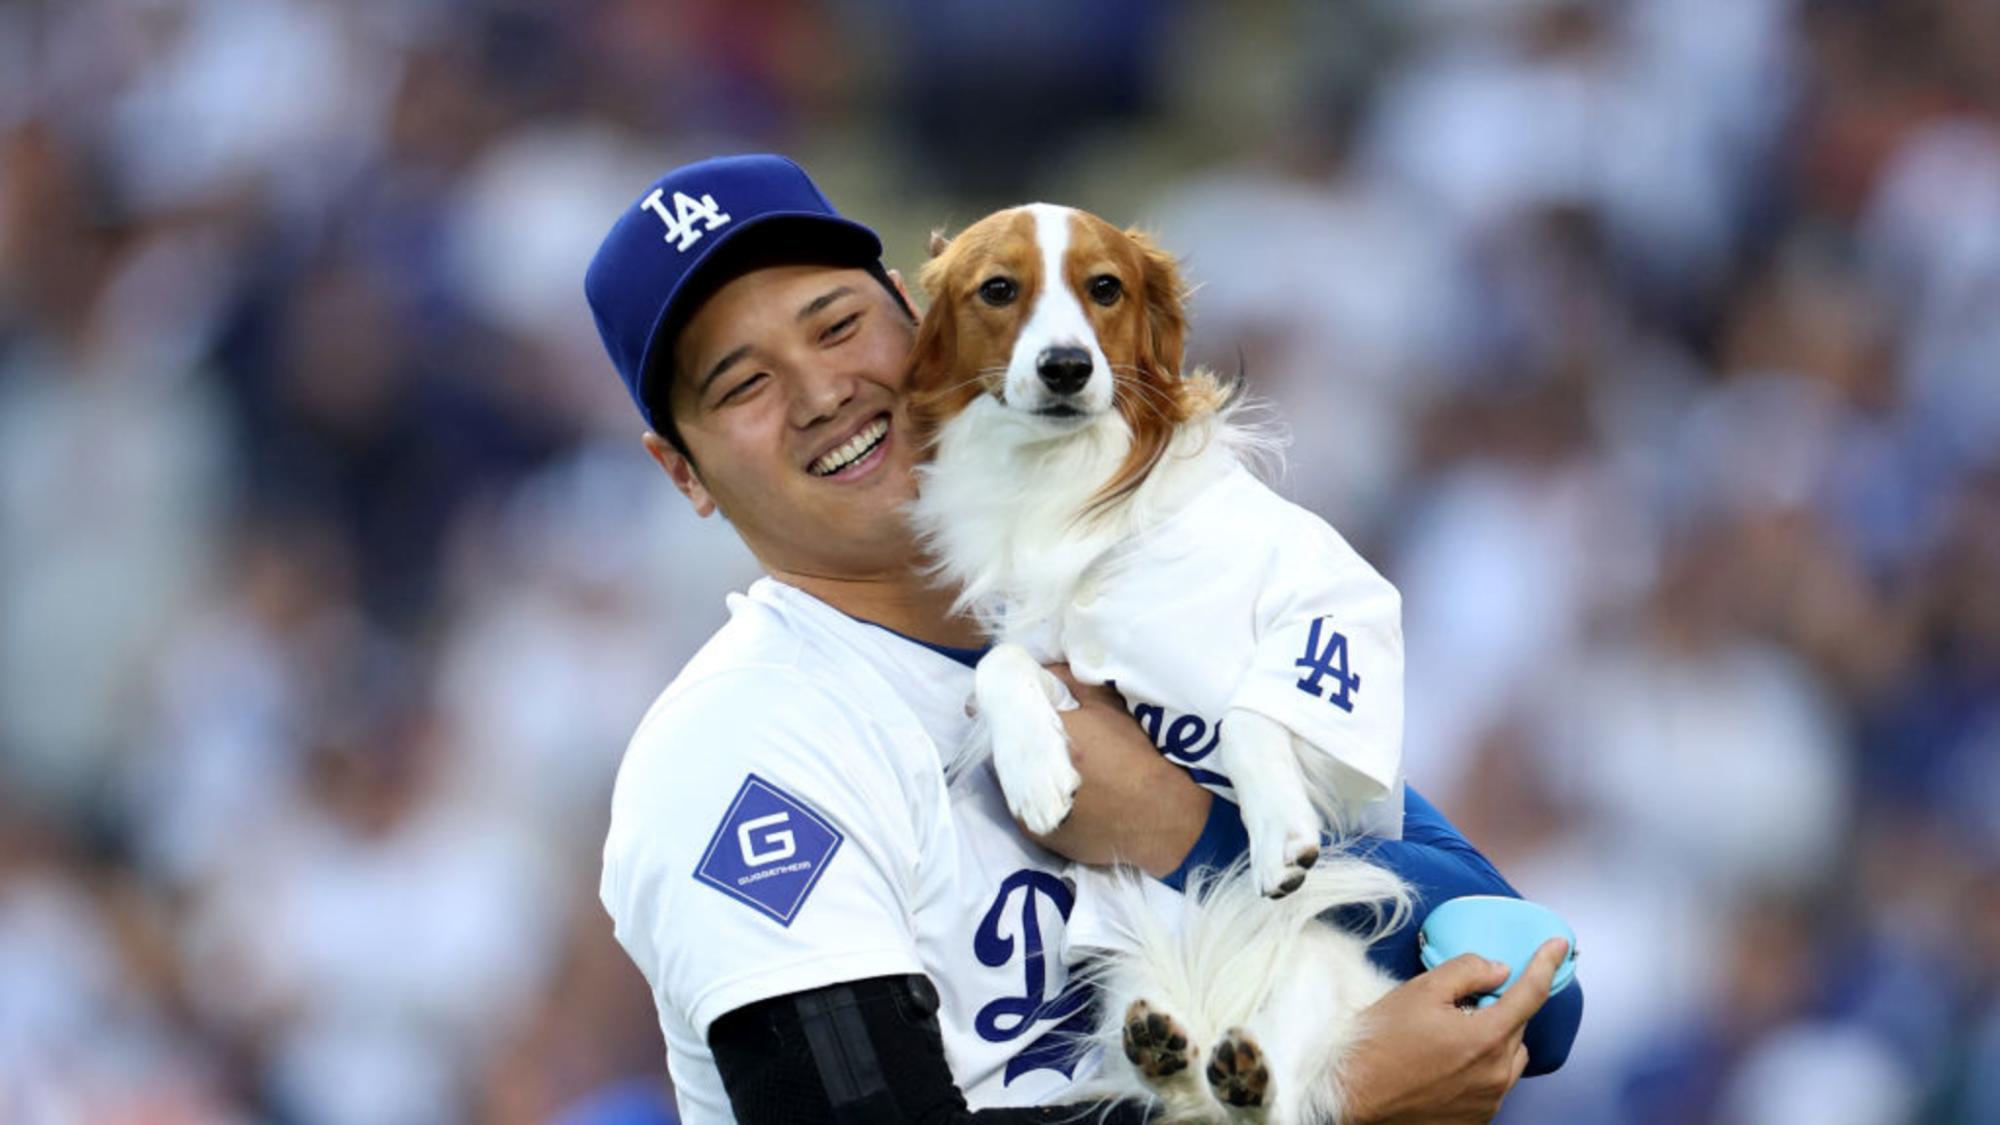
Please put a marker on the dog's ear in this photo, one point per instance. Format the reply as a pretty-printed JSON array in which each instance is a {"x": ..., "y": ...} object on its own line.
[
  {"x": 938, "y": 241},
  {"x": 937, "y": 333},
  {"x": 1166, "y": 304},
  {"x": 933, "y": 358},
  {"x": 937, "y": 342}
]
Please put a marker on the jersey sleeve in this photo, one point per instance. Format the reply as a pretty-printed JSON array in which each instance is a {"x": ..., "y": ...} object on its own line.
[
  {"x": 763, "y": 841},
  {"x": 1328, "y": 664}
]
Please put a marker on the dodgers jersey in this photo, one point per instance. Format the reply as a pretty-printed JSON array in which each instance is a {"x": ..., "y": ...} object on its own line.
[
  {"x": 1244, "y": 599},
  {"x": 781, "y": 822}
]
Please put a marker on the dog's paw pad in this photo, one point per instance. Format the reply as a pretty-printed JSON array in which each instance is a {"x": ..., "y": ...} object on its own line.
[
  {"x": 1236, "y": 1070},
  {"x": 1154, "y": 1042},
  {"x": 1304, "y": 853},
  {"x": 1284, "y": 881}
]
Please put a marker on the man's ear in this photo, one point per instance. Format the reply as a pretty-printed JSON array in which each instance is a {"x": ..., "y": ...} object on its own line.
[
  {"x": 903, "y": 291},
  {"x": 681, "y": 471}
]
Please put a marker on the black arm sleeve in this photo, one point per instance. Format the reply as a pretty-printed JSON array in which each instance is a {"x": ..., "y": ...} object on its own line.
[{"x": 865, "y": 1052}]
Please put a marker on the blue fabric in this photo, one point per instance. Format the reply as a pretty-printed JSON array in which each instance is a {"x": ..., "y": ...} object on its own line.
[
  {"x": 1439, "y": 864},
  {"x": 1223, "y": 841},
  {"x": 969, "y": 657}
]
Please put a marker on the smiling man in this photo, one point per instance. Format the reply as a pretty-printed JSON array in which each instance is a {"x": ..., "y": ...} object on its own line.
[{"x": 830, "y": 932}]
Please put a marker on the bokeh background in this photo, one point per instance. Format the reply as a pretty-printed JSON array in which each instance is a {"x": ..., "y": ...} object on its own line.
[{"x": 1651, "y": 346}]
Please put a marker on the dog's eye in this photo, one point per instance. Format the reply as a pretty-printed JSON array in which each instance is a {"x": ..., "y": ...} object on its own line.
[
  {"x": 1105, "y": 289},
  {"x": 997, "y": 291}
]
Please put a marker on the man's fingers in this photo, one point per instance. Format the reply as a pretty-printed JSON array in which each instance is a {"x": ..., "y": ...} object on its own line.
[
  {"x": 1527, "y": 995},
  {"x": 1467, "y": 974},
  {"x": 1520, "y": 1060}
]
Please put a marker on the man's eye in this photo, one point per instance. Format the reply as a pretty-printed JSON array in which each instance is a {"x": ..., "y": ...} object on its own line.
[
  {"x": 739, "y": 389},
  {"x": 1105, "y": 289},
  {"x": 998, "y": 291},
  {"x": 839, "y": 327}
]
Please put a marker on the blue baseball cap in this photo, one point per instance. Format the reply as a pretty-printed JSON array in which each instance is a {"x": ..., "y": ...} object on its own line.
[{"x": 671, "y": 248}]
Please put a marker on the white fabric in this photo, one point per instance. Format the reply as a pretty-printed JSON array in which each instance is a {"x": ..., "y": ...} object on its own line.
[
  {"x": 1213, "y": 609},
  {"x": 848, "y": 720}
]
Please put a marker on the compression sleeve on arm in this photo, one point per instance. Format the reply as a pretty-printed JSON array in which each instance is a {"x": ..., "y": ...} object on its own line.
[{"x": 864, "y": 1052}]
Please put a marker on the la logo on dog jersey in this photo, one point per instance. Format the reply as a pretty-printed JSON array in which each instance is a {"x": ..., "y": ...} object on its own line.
[
  {"x": 769, "y": 850},
  {"x": 680, "y": 223},
  {"x": 1329, "y": 659}
]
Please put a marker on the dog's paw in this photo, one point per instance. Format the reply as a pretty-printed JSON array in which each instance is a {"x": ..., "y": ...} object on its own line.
[
  {"x": 1237, "y": 1072},
  {"x": 1038, "y": 779},
  {"x": 1044, "y": 803},
  {"x": 1155, "y": 1043},
  {"x": 1281, "y": 854}
]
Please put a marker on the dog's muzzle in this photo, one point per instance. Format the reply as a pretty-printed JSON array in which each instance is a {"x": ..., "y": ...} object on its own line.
[{"x": 1064, "y": 370}]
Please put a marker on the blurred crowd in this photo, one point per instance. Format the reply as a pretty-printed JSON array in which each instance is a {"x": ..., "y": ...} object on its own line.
[{"x": 1652, "y": 347}]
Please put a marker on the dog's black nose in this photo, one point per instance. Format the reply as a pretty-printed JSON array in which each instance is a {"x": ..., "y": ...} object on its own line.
[{"x": 1064, "y": 370}]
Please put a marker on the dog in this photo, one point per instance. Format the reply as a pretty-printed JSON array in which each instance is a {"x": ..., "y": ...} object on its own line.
[{"x": 1093, "y": 504}]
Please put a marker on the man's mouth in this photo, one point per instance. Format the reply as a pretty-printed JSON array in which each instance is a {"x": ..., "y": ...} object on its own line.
[{"x": 852, "y": 450}]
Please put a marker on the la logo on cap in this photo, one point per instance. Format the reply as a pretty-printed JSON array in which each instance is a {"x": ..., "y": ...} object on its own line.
[{"x": 681, "y": 229}]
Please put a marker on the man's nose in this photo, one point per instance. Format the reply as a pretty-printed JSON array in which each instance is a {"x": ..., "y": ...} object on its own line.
[
  {"x": 823, "y": 390},
  {"x": 1064, "y": 368}
]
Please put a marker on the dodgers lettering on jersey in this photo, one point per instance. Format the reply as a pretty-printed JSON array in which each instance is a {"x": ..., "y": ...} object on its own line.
[
  {"x": 1188, "y": 741},
  {"x": 1017, "y": 911},
  {"x": 781, "y": 823}
]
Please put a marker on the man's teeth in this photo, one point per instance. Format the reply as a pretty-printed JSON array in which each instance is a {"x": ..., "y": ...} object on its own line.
[{"x": 852, "y": 450}]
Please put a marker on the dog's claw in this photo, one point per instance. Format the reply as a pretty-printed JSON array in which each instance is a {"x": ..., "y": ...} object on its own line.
[{"x": 1282, "y": 864}]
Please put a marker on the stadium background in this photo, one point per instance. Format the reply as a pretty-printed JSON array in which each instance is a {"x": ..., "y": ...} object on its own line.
[{"x": 1650, "y": 346}]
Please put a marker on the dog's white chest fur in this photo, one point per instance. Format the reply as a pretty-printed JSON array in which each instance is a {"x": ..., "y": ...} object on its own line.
[{"x": 1002, "y": 521}]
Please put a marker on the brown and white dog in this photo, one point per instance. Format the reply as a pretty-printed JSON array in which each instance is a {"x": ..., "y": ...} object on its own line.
[{"x": 1066, "y": 444}]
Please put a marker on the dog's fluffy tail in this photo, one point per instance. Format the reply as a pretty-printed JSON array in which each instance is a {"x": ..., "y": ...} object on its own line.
[{"x": 1230, "y": 948}]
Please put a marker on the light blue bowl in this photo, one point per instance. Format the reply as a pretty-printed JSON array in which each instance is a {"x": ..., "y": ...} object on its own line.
[{"x": 1497, "y": 928}]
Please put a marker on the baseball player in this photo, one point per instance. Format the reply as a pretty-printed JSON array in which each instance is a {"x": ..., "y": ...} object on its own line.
[{"x": 830, "y": 932}]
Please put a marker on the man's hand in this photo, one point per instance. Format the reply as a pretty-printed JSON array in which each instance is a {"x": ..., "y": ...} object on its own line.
[
  {"x": 1133, "y": 806},
  {"x": 1426, "y": 1059}
]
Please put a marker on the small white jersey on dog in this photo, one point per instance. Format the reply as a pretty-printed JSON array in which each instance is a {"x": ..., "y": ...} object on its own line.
[{"x": 1244, "y": 600}]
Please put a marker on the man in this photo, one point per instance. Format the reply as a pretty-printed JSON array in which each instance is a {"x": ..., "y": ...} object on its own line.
[{"x": 829, "y": 931}]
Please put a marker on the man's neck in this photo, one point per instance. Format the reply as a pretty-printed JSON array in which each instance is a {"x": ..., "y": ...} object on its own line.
[{"x": 910, "y": 605}]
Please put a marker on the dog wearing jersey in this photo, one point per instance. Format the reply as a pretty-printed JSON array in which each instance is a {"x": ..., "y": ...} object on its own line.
[{"x": 1092, "y": 504}]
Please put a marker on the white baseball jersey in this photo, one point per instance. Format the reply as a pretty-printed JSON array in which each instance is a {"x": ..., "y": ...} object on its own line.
[
  {"x": 781, "y": 823},
  {"x": 1244, "y": 599}
]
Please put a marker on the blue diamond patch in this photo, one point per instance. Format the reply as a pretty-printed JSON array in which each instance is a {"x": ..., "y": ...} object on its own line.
[{"x": 769, "y": 850}]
